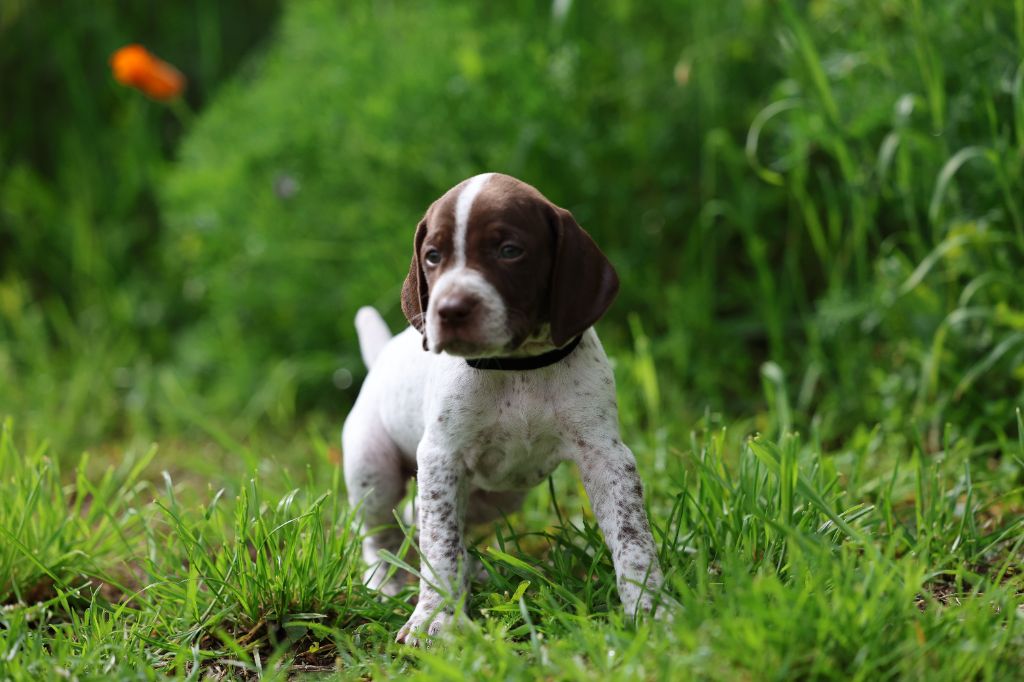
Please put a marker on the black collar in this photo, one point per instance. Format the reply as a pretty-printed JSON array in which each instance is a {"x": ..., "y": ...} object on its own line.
[{"x": 527, "y": 362}]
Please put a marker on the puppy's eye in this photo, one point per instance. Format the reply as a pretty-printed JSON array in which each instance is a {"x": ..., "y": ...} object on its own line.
[
  {"x": 433, "y": 256},
  {"x": 510, "y": 251}
]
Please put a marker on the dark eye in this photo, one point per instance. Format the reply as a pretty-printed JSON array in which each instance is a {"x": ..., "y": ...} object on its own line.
[
  {"x": 510, "y": 251},
  {"x": 433, "y": 256}
]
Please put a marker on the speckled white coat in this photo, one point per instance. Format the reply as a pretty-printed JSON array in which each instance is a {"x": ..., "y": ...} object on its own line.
[{"x": 476, "y": 441}]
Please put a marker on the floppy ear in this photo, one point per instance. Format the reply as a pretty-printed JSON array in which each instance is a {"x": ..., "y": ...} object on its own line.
[
  {"x": 583, "y": 281},
  {"x": 414, "y": 291}
]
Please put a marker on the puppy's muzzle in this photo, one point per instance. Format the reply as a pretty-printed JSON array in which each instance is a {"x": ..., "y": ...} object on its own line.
[
  {"x": 459, "y": 316},
  {"x": 457, "y": 309}
]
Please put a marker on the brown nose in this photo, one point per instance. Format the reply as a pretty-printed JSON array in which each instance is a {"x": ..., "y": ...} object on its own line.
[{"x": 456, "y": 308}]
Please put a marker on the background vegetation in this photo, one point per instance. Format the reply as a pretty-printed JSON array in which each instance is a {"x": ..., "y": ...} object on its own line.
[{"x": 817, "y": 210}]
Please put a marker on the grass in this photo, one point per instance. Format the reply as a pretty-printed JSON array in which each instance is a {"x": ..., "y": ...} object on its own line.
[{"x": 783, "y": 561}]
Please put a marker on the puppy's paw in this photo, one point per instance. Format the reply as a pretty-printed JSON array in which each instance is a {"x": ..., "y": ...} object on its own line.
[
  {"x": 657, "y": 610},
  {"x": 424, "y": 626},
  {"x": 646, "y": 603},
  {"x": 652, "y": 606},
  {"x": 663, "y": 615}
]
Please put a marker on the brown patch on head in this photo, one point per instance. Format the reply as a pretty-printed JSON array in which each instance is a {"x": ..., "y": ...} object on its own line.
[
  {"x": 510, "y": 242},
  {"x": 583, "y": 281},
  {"x": 541, "y": 263},
  {"x": 439, "y": 224},
  {"x": 414, "y": 290}
]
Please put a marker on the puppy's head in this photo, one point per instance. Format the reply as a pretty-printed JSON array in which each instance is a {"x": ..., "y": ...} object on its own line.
[{"x": 496, "y": 264}]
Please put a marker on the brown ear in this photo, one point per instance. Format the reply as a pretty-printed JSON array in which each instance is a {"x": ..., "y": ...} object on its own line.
[
  {"x": 414, "y": 291},
  {"x": 583, "y": 281}
]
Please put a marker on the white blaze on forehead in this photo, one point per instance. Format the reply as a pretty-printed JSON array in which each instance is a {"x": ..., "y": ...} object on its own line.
[
  {"x": 491, "y": 320},
  {"x": 463, "y": 205}
]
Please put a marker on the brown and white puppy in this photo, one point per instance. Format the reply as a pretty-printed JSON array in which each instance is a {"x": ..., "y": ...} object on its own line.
[{"x": 502, "y": 290}]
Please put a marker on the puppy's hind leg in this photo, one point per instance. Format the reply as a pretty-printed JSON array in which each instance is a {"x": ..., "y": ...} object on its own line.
[{"x": 376, "y": 483}]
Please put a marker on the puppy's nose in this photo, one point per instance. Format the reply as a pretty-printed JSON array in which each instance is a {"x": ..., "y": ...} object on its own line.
[{"x": 456, "y": 308}]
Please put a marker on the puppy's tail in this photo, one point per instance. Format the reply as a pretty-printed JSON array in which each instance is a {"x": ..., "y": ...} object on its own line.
[{"x": 373, "y": 334}]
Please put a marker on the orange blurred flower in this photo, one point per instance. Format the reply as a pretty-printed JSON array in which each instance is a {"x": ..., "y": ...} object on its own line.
[{"x": 134, "y": 66}]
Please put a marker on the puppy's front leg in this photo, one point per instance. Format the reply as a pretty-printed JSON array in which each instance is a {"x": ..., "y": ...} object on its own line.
[
  {"x": 441, "y": 507},
  {"x": 617, "y": 498}
]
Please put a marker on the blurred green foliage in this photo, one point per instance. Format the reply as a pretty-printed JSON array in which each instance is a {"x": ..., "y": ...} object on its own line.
[
  {"x": 295, "y": 197},
  {"x": 87, "y": 310},
  {"x": 831, "y": 187}
]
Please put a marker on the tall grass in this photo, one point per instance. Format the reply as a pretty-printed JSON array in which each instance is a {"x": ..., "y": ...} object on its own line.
[
  {"x": 820, "y": 187},
  {"x": 780, "y": 561},
  {"x": 59, "y": 536}
]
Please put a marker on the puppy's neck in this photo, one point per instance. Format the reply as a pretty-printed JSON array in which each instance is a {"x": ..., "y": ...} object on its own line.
[
  {"x": 522, "y": 363},
  {"x": 537, "y": 343}
]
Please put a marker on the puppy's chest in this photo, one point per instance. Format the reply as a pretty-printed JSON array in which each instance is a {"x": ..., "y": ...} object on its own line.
[{"x": 514, "y": 438}]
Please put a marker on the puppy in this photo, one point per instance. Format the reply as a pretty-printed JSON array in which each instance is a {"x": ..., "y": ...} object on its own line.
[{"x": 499, "y": 379}]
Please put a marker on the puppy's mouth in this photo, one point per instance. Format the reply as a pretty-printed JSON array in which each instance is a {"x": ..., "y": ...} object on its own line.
[
  {"x": 472, "y": 342},
  {"x": 465, "y": 346}
]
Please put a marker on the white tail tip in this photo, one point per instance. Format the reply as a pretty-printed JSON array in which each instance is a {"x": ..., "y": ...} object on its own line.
[{"x": 373, "y": 334}]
